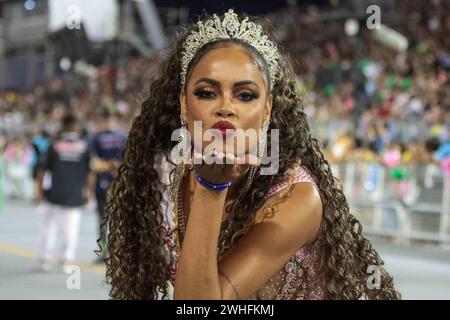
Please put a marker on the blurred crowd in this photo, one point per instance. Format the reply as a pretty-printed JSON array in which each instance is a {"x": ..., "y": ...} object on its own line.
[
  {"x": 30, "y": 120},
  {"x": 366, "y": 101}
]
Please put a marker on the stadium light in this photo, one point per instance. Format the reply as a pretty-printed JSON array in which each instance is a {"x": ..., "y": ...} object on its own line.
[
  {"x": 65, "y": 64},
  {"x": 30, "y": 5},
  {"x": 351, "y": 27}
]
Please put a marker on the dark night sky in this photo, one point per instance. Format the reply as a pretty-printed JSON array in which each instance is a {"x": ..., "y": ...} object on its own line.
[{"x": 249, "y": 6}]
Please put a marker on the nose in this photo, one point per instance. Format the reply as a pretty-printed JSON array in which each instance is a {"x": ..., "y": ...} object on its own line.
[{"x": 225, "y": 110}]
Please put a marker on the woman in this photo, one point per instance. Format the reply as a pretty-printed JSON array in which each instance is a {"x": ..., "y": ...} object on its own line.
[{"x": 225, "y": 229}]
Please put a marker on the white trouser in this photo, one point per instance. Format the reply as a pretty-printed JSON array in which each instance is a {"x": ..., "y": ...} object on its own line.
[{"x": 54, "y": 217}]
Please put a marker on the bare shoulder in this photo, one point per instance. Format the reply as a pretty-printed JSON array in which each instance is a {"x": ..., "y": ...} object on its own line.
[
  {"x": 300, "y": 215},
  {"x": 266, "y": 247}
]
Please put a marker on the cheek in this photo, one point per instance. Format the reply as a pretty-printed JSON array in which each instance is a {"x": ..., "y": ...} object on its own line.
[
  {"x": 251, "y": 116},
  {"x": 250, "y": 119},
  {"x": 197, "y": 110}
]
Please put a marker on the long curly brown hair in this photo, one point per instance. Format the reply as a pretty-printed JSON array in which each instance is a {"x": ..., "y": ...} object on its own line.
[{"x": 137, "y": 268}]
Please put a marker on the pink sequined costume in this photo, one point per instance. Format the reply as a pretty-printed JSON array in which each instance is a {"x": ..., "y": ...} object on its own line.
[{"x": 297, "y": 279}]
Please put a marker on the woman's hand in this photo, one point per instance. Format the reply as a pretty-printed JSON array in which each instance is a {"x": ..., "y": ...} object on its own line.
[{"x": 218, "y": 167}]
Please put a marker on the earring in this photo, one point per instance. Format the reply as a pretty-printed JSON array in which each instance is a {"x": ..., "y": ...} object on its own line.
[
  {"x": 181, "y": 158},
  {"x": 263, "y": 138},
  {"x": 184, "y": 143}
]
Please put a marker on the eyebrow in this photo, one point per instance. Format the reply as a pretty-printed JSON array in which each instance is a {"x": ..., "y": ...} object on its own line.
[{"x": 217, "y": 83}]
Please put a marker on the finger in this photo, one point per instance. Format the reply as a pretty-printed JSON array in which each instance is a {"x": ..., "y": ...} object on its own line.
[
  {"x": 190, "y": 160},
  {"x": 209, "y": 158},
  {"x": 230, "y": 158},
  {"x": 251, "y": 159},
  {"x": 220, "y": 158},
  {"x": 198, "y": 158}
]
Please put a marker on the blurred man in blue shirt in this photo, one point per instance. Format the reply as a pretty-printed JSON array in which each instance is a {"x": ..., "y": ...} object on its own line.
[{"x": 107, "y": 146}]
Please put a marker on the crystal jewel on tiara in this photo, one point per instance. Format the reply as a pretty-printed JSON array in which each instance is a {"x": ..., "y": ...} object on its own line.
[{"x": 230, "y": 28}]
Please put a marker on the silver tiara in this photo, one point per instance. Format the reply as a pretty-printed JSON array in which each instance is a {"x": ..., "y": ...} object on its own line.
[{"x": 230, "y": 28}]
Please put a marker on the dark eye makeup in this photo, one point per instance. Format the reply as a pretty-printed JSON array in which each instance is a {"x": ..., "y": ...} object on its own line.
[
  {"x": 204, "y": 93},
  {"x": 245, "y": 96}
]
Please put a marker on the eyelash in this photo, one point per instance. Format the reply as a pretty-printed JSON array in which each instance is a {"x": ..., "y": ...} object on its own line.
[
  {"x": 208, "y": 94},
  {"x": 204, "y": 94}
]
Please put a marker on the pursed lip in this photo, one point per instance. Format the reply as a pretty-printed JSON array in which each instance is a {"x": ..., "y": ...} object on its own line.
[{"x": 226, "y": 128}]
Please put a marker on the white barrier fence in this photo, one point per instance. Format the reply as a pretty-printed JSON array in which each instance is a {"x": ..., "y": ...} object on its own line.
[
  {"x": 406, "y": 203},
  {"x": 415, "y": 206},
  {"x": 16, "y": 180}
]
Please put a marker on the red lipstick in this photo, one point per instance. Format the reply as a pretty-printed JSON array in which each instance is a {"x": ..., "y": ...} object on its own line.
[{"x": 225, "y": 128}]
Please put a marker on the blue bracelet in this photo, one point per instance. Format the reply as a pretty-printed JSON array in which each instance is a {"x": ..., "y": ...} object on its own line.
[{"x": 216, "y": 187}]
